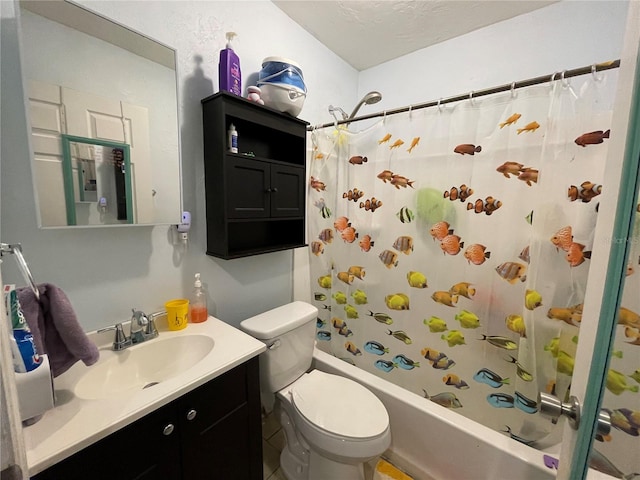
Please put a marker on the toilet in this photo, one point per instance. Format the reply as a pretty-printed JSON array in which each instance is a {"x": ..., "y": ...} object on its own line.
[{"x": 332, "y": 424}]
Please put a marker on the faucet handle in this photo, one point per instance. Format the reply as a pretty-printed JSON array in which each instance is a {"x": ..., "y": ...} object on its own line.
[
  {"x": 120, "y": 341},
  {"x": 150, "y": 329}
]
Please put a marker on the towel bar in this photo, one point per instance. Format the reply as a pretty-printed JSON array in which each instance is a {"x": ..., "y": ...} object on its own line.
[{"x": 16, "y": 249}]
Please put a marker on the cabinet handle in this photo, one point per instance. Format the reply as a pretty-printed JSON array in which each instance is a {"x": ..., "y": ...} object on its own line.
[
  {"x": 168, "y": 430},
  {"x": 274, "y": 190},
  {"x": 191, "y": 414}
]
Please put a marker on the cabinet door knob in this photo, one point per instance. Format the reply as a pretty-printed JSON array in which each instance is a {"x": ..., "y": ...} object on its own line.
[
  {"x": 274, "y": 190},
  {"x": 191, "y": 414},
  {"x": 168, "y": 430}
]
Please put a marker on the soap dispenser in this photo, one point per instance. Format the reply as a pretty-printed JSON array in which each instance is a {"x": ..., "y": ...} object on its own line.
[
  {"x": 229, "y": 76},
  {"x": 198, "y": 302}
]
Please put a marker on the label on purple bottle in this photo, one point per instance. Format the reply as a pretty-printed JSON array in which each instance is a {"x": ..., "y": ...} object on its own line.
[{"x": 235, "y": 79}]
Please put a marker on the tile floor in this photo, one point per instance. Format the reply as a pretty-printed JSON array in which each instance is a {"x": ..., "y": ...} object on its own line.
[
  {"x": 273, "y": 441},
  {"x": 272, "y": 444}
]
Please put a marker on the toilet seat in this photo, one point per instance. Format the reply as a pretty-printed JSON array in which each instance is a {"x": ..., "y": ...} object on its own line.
[{"x": 339, "y": 406}]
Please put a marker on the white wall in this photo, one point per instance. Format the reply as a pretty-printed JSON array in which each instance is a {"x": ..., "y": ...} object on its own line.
[
  {"x": 107, "y": 271},
  {"x": 561, "y": 36}
]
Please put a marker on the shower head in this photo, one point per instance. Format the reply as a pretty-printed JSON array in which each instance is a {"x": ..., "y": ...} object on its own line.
[{"x": 370, "y": 98}]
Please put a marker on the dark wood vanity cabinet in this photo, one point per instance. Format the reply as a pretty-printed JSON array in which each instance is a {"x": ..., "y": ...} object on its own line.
[
  {"x": 255, "y": 198},
  {"x": 210, "y": 433},
  {"x": 224, "y": 440},
  {"x": 138, "y": 451}
]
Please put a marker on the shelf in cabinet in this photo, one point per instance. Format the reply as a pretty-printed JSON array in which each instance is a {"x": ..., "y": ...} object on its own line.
[
  {"x": 254, "y": 220},
  {"x": 243, "y": 109},
  {"x": 263, "y": 159},
  {"x": 257, "y": 251}
]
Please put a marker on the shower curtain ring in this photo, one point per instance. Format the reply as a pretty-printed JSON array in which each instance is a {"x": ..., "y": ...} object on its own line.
[
  {"x": 552, "y": 79},
  {"x": 440, "y": 106},
  {"x": 565, "y": 82},
  {"x": 594, "y": 73},
  {"x": 471, "y": 97},
  {"x": 513, "y": 90},
  {"x": 410, "y": 107},
  {"x": 384, "y": 117}
]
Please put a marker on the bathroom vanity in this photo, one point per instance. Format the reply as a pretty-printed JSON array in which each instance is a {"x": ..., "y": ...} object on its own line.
[
  {"x": 255, "y": 197},
  {"x": 200, "y": 423}
]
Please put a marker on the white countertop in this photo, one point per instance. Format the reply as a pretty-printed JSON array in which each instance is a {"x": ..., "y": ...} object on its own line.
[{"x": 76, "y": 423}]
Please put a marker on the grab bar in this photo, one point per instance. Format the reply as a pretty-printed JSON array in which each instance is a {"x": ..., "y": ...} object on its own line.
[{"x": 16, "y": 249}]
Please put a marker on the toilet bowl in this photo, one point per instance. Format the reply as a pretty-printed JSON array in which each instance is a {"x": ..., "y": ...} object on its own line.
[
  {"x": 338, "y": 423},
  {"x": 332, "y": 424}
]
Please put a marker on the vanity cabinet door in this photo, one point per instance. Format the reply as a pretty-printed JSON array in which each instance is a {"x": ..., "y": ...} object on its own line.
[
  {"x": 221, "y": 427},
  {"x": 145, "y": 450}
]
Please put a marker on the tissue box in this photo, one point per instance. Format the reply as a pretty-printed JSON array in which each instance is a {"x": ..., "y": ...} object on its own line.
[{"x": 35, "y": 392}]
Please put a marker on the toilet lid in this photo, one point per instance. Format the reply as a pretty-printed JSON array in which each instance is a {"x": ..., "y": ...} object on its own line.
[{"x": 339, "y": 405}]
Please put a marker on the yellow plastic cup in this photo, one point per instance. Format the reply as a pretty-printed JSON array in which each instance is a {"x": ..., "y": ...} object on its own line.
[{"x": 177, "y": 313}]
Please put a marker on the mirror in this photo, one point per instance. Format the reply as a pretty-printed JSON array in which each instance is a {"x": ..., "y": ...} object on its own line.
[{"x": 97, "y": 90}]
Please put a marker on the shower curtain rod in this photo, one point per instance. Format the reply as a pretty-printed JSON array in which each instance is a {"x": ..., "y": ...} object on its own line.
[{"x": 481, "y": 93}]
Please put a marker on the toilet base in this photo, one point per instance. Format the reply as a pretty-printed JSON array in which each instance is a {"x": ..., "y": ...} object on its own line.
[
  {"x": 294, "y": 459},
  {"x": 292, "y": 467},
  {"x": 322, "y": 468},
  {"x": 299, "y": 461},
  {"x": 318, "y": 468}
]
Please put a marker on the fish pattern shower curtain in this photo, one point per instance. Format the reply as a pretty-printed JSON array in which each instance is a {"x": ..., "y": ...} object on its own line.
[{"x": 450, "y": 251}]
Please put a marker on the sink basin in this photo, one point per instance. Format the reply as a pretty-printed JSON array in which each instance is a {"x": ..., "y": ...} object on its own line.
[{"x": 143, "y": 366}]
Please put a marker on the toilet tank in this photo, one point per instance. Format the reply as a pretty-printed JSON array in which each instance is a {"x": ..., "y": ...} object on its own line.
[{"x": 289, "y": 333}]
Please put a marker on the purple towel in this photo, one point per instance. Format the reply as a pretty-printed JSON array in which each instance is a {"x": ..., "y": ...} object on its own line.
[{"x": 55, "y": 328}]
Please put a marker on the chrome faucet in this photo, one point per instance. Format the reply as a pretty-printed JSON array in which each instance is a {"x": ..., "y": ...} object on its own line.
[
  {"x": 143, "y": 328},
  {"x": 139, "y": 321}
]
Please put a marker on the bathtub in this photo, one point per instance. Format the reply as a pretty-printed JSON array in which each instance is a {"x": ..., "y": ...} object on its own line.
[{"x": 433, "y": 443}]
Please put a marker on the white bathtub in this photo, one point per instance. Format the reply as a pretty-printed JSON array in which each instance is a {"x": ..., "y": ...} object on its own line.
[{"x": 432, "y": 442}]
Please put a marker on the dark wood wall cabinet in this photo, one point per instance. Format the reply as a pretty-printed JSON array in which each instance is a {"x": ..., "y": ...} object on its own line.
[
  {"x": 255, "y": 198},
  {"x": 210, "y": 433}
]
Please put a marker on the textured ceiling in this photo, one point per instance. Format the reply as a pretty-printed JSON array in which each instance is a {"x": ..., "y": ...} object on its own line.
[{"x": 367, "y": 33}]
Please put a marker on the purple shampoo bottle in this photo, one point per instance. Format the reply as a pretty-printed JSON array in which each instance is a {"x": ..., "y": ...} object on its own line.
[{"x": 229, "y": 75}]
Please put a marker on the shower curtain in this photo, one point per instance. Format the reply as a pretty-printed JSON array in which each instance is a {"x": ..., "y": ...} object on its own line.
[{"x": 450, "y": 251}]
